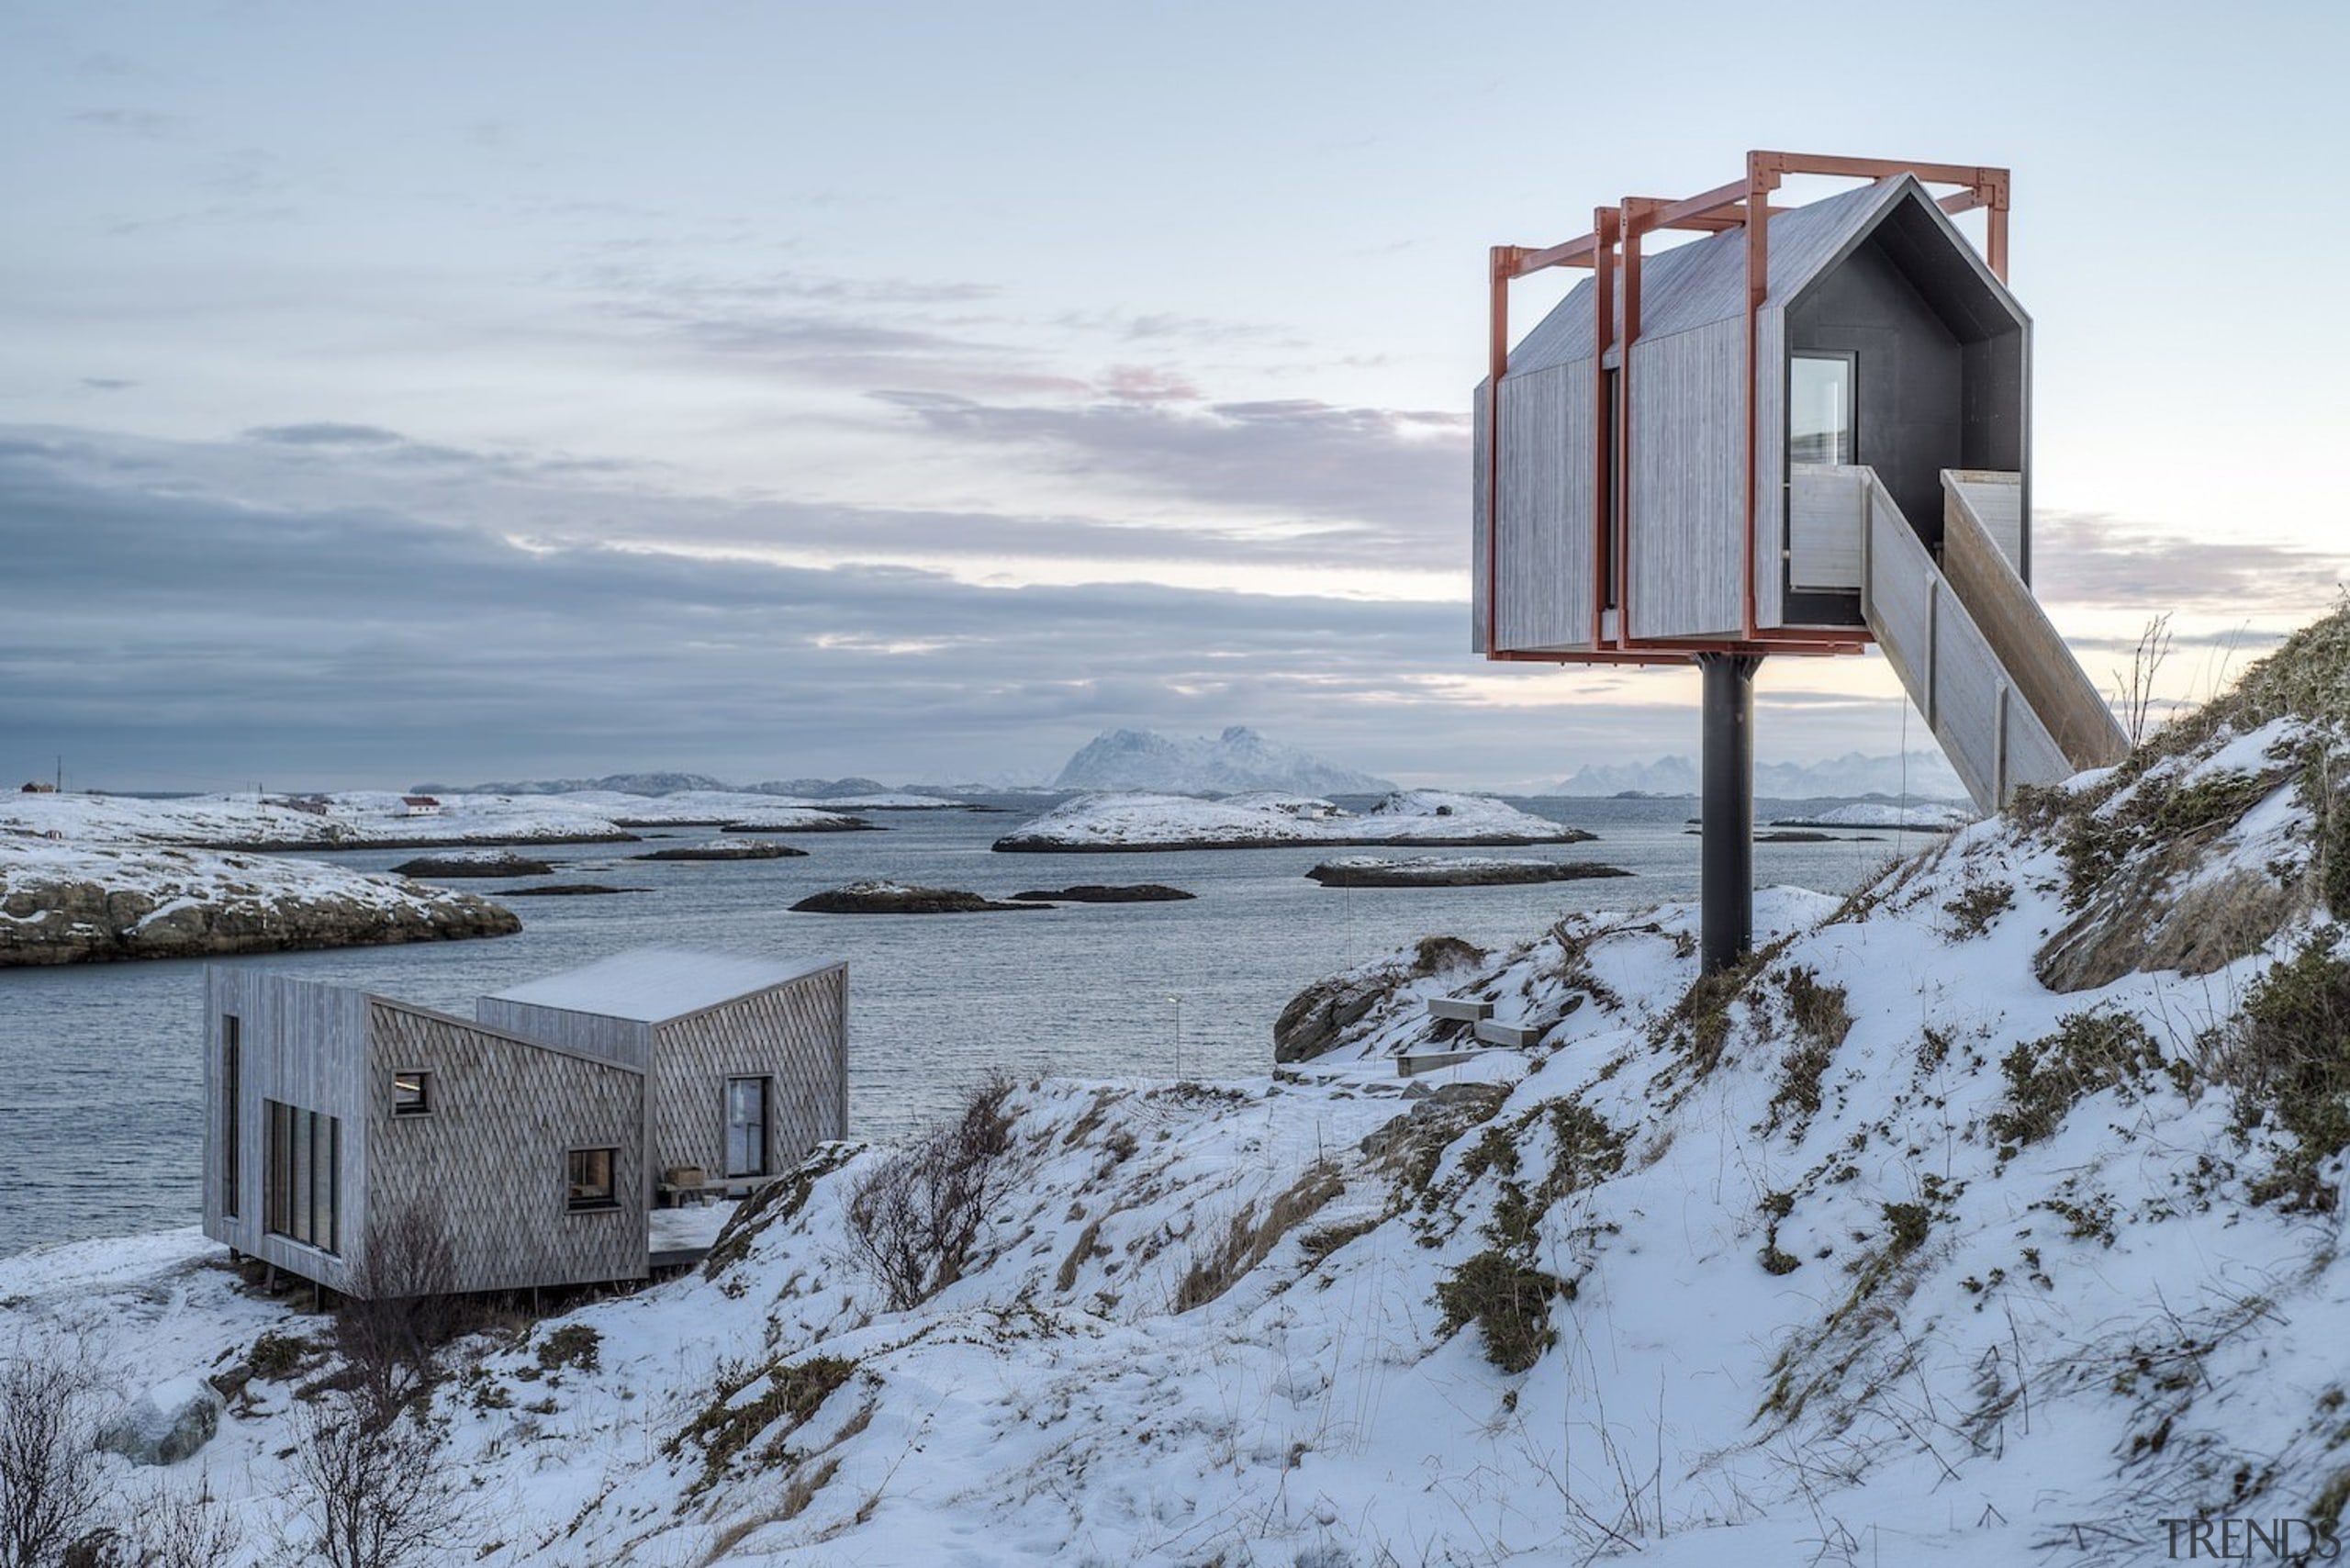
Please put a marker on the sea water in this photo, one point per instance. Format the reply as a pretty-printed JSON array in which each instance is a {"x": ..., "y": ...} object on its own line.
[{"x": 100, "y": 1127}]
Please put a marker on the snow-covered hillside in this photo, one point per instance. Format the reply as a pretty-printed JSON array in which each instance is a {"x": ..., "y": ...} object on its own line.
[
  {"x": 1989, "y": 1216},
  {"x": 1238, "y": 759},
  {"x": 1114, "y": 821}
]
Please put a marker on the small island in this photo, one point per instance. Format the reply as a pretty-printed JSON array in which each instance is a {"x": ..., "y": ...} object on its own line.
[
  {"x": 875, "y": 897},
  {"x": 65, "y": 903},
  {"x": 561, "y": 889},
  {"x": 1096, "y": 892},
  {"x": 1268, "y": 819},
  {"x": 1432, "y": 871},
  {"x": 473, "y": 863},
  {"x": 827, "y": 822},
  {"x": 741, "y": 849}
]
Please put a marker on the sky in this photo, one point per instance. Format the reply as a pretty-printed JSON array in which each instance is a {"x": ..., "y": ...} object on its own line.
[{"x": 460, "y": 391}]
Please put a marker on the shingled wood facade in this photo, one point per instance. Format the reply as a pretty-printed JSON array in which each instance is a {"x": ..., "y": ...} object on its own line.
[{"x": 531, "y": 1137}]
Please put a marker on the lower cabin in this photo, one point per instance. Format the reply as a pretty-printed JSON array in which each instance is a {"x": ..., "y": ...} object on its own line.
[{"x": 376, "y": 1148}]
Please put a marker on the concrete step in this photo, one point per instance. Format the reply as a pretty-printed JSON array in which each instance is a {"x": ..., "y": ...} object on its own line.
[
  {"x": 1459, "y": 1009},
  {"x": 1517, "y": 1035},
  {"x": 1429, "y": 1061}
]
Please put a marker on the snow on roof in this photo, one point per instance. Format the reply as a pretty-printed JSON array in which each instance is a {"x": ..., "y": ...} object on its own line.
[{"x": 653, "y": 985}]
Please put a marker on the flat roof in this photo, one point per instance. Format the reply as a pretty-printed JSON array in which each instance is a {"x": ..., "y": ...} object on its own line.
[{"x": 652, "y": 985}]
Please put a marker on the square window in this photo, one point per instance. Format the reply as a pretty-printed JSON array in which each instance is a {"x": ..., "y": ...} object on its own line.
[
  {"x": 591, "y": 1179},
  {"x": 412, "y": 1093}
]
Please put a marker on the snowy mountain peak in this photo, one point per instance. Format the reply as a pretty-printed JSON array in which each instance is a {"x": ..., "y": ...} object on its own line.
[{"x": 1237, "y": 759}]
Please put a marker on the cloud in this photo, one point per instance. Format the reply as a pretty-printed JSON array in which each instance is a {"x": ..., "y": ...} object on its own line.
[
  {"x": 2089, "y": 558},
  {"x": 142, "y": 123},
  {"x": 108, "y": 384},
  {"x": 1404, "y": 470},
  {"x": 325, "y": 433}
]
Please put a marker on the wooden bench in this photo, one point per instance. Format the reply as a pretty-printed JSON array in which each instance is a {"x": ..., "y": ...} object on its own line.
[{"x": 670, "y": 1195}]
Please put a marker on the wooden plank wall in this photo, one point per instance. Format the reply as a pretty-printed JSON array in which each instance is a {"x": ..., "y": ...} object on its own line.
[
  {"x": 302, "y": 1044},
  {"x": 1546, "y": 500},
  {"x": 1826, "y": 506},
  {"x": 1688, "y": 477},
  {"x": 626, "y": 1041},
  {"x": 795, "y": 1035},
  {"x": 1481, "y": 466},
  {"x": 1987, "y": 726},
  {"x": 2038, "y": 660},
  {"x": 488, "y": 1164}
]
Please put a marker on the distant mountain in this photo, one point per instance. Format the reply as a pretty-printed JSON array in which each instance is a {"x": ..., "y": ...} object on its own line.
[
  {"x": 1237, "y": 759},
  {"x": 1927, "y": 776},
  {"x": 663, "y": 784},
  {"x": 621, "y": 783},
  {"x": 818, "y": 788}
]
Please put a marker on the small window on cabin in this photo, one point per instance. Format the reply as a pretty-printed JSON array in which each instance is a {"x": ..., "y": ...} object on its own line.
[
  {"x": 591, "y": 1179},
  {"x": 411, "y": 1094},
  {"x": 1821, "y": 409}
]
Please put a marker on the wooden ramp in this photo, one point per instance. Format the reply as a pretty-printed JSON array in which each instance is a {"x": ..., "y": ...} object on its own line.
[{"x": 1999, "y": 689}]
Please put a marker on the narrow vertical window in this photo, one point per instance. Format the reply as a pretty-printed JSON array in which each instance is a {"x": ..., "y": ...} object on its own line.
[
  {"x": 746, "y": 1127},
  {"x": 232, "y": 1113},
  {"x": 303, "y": 1197},
  {"x": 1821, "y": 410}
]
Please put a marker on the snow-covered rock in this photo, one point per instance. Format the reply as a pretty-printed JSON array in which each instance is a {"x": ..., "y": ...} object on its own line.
[
  {"x": 62, "y": 902},
  {"x": 1238, "y": 759},
  {"x": 165, "y": 1425},
  {"x": 1257, "y": 820}
]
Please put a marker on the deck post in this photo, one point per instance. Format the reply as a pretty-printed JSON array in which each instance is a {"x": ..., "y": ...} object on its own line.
[{"x": 1726, "y": 878}]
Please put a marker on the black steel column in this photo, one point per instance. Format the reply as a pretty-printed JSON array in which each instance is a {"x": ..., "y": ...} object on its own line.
[{"x": 1725, "y": 879}]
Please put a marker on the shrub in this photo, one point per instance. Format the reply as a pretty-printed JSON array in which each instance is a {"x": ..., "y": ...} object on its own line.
[
  {"x": 2047, "y": 1077},
  {"x": 2287, "y": 1053},
  {"x": 915, "y": 1217},
  {"x": 1510, "y": 1303}
]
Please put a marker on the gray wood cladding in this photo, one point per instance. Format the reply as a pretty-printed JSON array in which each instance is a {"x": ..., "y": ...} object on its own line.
[
  {"x": 301, "y": 1045},
  {"x": 1480, "y": 468},
  {"x": 1546, "y": 508},
  {"x": 490, "y": 1165},
  {"x": 622, "y": 1041},
  {"x": 1827, "y": 504},
  {"x": 1687, "y": 526},
  {"x": 794, "y": 1035},
  {"x": 1981, "y": 568},
  {"x": 1985, "y": 725}
]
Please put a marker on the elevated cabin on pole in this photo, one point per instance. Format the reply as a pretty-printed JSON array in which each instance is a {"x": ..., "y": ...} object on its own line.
[{"x": 1805, "y": 431}]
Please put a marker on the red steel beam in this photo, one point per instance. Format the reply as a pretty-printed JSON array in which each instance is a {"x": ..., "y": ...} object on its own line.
[{"x": 1606, "y": 224}]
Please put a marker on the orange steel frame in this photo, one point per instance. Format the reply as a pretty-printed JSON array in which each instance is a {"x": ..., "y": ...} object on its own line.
[{"x": 1614, "y": 242}]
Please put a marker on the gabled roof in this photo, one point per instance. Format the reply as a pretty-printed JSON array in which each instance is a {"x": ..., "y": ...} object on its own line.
[
  {"x": 1705, "y": 281},
  {"x": 653, "y": 985}
]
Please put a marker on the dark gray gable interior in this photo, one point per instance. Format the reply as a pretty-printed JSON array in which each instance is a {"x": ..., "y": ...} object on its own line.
[{"x": 1938, "y": 348}]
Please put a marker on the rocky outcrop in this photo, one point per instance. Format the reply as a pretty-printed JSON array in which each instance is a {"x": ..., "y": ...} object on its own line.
[
  {"x": 560, "y": 889},
  {"x": 492, "y": 863},
  {"x": 1365, "y": 872},
  {"x": 1097, "y": 892},
  {"x": 1316, "y": 1016},
  {"x": 743, "y": 849},
  {"x": 165, "y": 1425},
  {"x": 834, "y": 823},
  {"x": 895, "y": 897},
  {"x": 94, "y": 906}
]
